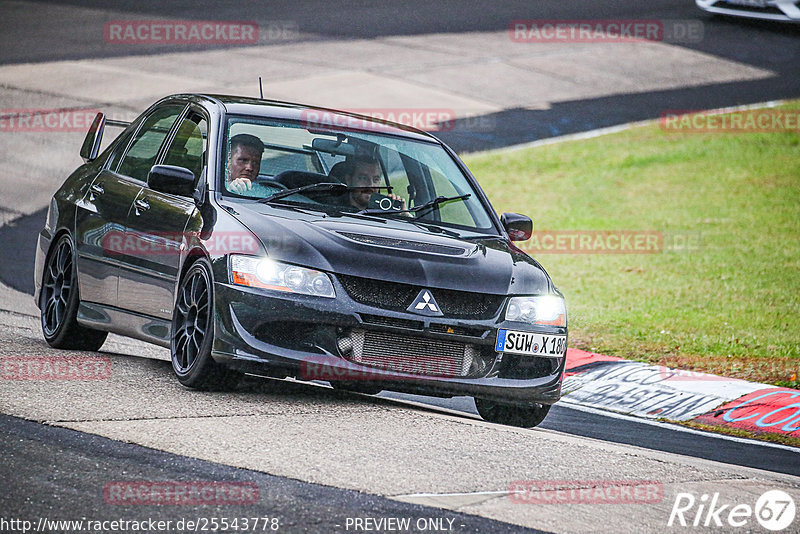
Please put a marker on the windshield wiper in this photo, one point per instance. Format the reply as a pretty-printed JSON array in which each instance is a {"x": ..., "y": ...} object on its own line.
[
  {"x": 432, "y": 228},
  {"x": 430, "y": 204},
  {"x": 324, "y": 186}
]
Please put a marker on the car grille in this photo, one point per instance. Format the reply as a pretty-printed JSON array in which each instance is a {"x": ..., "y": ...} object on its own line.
[
  {"x": 398, "y": 297},
  {"x": 412, "y": 355},
  {"x": 394, "y": 322}
]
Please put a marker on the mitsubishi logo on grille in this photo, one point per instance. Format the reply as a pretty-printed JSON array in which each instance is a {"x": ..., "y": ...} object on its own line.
[{"x": 425, "y": 304}]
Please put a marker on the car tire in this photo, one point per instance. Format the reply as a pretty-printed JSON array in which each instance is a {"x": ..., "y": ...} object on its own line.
[
  {"x": 504, "y": 414},
  {"x": 192, "y": 333},
  {"x": 355, "y": 387},
  {"x": 59, "y": 299}
]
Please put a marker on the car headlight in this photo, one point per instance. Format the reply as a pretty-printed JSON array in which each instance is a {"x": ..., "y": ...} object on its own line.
[
  {"x": 266, "y": 273},
  {"x": 545, "y": 310}
]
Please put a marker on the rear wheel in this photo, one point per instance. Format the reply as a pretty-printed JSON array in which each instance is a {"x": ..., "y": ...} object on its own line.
[
  {"x": 59, "y": 300},
  {"x": 504, "y": 414},
  {"x": 193, "y": 333}
]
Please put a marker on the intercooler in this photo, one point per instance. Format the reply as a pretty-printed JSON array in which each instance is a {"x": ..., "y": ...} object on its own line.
[{"x": 410, "y": 354}]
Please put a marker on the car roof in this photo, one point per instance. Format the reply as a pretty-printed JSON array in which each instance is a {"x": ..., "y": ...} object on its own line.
[{"x": 323, "y": 118}]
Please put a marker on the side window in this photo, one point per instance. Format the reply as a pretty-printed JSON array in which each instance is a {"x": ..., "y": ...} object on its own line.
[
  {"x": 119, "y": 149},
  {"x": 143, "y": 151},
  {"x": 188, "y": 148}
]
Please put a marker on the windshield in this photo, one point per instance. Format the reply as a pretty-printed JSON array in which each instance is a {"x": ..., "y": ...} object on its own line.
[{"x": 340, "y": 171}]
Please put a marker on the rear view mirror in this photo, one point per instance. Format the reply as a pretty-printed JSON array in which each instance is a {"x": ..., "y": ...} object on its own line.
[
  {"x": 91, "y": 144},
  {"x": 171, "y": 179},
  {"x": 519, "y": 227},
  {"x": 330, "y": 146}
]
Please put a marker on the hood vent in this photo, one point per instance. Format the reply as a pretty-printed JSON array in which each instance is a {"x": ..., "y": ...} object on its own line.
[{"x": 395, "y": 243}]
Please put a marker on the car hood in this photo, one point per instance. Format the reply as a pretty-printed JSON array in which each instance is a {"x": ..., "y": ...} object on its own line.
[{"x": 394, "y": 251}]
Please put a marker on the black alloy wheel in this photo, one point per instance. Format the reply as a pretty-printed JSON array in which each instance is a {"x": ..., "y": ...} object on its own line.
[
  {"x": 193, "y": 333},
  {"x": 58, "y": 302}
]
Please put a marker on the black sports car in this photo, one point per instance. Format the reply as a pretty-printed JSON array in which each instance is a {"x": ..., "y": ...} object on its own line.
[{"x": 253, "y": 236}]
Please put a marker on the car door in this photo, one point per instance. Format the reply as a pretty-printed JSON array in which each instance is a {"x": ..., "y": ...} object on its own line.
[
  {"x": 97, "y": 218},
  {"x": 101, "y": 236},
  {"x": 158, "y": 221}
]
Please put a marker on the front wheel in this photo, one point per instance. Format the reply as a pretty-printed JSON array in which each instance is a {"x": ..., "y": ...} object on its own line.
[
  {"x": 59, "y": 301},
  {"x": 522, "y": 416},
  {"x": 193, "y": 333}
]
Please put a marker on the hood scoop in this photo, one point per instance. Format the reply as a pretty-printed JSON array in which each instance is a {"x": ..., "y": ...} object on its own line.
[{"x": 405, "y": 244}]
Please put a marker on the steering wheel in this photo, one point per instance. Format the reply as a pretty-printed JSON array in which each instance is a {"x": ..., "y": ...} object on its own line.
[{"x": 269, "y": 182}]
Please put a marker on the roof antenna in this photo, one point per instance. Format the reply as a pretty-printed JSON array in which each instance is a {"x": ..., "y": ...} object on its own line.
[{"x": 260, "y": 88}]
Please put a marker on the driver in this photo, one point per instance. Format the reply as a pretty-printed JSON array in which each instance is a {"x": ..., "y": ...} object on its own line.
[
  {"x": 244, "y": 163},
  {"x": 364, "y": 172}
]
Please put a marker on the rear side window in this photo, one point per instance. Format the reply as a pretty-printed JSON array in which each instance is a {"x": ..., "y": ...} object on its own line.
[
  {"x": 144, "y": 149},
  {"x": 188, "y": 147},
  {"x": 119, "y": 148}
]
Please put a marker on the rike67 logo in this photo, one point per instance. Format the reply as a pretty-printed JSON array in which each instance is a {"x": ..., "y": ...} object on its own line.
[{"x": 774, "y": 510}]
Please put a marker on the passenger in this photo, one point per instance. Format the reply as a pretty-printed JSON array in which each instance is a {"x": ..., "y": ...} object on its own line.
[
  {"x": 244, "y": 163},
  {"x": 365, "y": 174}
]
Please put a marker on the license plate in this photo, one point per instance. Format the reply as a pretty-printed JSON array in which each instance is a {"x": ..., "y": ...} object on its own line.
[{"x": 530, "y": 343}]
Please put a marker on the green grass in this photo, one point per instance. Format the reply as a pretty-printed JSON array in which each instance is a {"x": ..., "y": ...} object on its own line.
[{"x": 731, "y": 304}]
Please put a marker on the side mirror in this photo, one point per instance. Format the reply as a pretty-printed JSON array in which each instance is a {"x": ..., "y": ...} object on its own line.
[
  {"x": 91, "y": 144},
  {"x": 171, "y": 179},
  {"x": 519, "y": 227}
]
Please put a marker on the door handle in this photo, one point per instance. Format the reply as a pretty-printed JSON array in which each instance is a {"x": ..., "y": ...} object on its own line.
[
  {"x": 140, "y": 205},
  {"x": 96, "y": 190}
]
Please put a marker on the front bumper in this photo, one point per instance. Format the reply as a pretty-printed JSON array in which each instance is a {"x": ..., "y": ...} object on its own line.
[
  {"x": 282, "y": 335},
  {"x": 43, "y": 241}
]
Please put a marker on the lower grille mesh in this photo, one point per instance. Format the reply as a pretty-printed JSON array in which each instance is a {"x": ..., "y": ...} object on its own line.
[{"x": 412, "y": 355}]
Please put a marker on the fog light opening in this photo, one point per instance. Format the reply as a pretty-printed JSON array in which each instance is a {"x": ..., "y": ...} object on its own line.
[{"x": 345, "y": 345}]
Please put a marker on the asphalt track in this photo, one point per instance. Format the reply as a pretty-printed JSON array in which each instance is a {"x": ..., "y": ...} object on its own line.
[
  {"x": 43, "y": 461},
  {"x": 647, "y": 434},
  {"x": 55, "y": 472}
]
